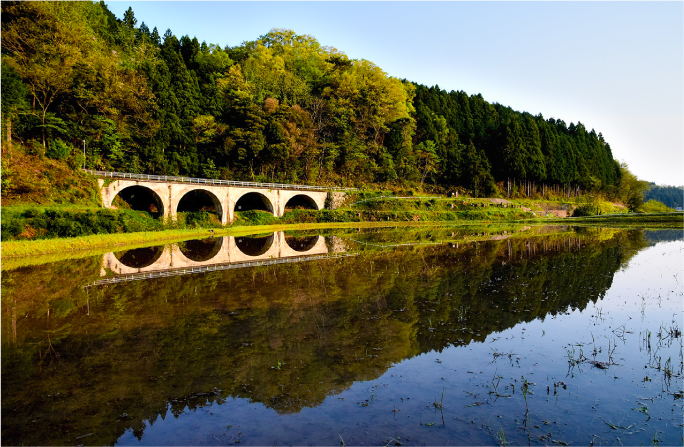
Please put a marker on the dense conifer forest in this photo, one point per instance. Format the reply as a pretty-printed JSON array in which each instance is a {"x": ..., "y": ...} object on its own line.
[
  {"x": 672, "y": 196},
  {"x": 281, "y": 108}
]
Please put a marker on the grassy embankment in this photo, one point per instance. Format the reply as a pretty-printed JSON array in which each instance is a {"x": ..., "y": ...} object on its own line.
[
  {"x": 17, "y": 254},
  {"x": 133, "y": 229},
  {"x": 91, "y": 230},
  {"x": 31, "y": 223}
]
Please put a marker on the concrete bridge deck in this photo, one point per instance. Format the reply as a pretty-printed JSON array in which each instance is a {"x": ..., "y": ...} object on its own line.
[{"x": 168, "y": 191}]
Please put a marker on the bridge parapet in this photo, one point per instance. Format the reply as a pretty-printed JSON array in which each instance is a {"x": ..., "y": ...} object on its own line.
[{"x": 214, "y": 182}]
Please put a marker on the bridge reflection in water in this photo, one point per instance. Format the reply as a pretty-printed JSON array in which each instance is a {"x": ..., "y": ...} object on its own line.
[{"x": 212, "y": 254}]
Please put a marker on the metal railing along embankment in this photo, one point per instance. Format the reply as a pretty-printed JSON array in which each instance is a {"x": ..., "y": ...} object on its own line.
[
  {"x": 209, "y": 181},
  {"x": 213, "y": 268}
]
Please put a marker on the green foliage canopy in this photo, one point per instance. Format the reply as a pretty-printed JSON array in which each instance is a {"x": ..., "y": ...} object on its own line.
[{"x": 280, "y": 108}]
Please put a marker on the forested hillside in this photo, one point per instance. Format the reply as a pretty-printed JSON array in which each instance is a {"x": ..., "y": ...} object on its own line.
[
  {"x": 672, "y": 196},
  {"x": 280, "y": 108}
]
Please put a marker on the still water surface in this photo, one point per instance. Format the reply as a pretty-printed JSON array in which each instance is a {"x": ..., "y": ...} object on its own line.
[{"x": 405, "y": 336}]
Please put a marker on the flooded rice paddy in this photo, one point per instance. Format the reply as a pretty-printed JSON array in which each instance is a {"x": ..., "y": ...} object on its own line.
[{"x": 408, "y": 336}]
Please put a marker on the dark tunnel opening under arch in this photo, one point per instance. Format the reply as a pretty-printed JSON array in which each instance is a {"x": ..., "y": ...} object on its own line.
[
  {"x": 140, "y": 198},
  {"x": 199, "y": 200},
  {"x": 253, "y": 201},
  {"x": 302, "y": 202}
]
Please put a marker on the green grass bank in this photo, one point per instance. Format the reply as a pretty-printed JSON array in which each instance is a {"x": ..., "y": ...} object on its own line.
[
  {"x": 25, "y": 223},
  {"x": 21, "y": 253},
  {"x": 54, "y": 232}
]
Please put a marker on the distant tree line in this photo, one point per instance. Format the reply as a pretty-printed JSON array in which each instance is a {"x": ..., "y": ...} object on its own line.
[
  {"x": 480, "y": 143},
  {"x": 280, "y": 108},
  {"x": 672, "y": 196}
]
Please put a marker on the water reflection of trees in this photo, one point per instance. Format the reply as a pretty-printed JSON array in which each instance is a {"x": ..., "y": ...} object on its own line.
[{"x": 150, "y": 347}]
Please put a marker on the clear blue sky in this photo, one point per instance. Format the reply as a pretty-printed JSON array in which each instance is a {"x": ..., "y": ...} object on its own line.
[{"x": 617, "y": 67}]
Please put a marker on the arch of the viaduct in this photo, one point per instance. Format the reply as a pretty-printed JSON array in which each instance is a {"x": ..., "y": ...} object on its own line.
[
  {"x": 228, "y": 251},
  {"x": 224, "y": 198},
  {"x": 254, "y": 200},
  {"x": 302, "y": 200},
  {"x": 198, "y": 195},
  {"x": 133, "y": 193}
]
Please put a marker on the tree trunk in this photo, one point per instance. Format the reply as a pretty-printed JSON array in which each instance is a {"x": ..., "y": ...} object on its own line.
[
  {"x": 43, "y": 128},
  {"x": 320, "y": 165}
]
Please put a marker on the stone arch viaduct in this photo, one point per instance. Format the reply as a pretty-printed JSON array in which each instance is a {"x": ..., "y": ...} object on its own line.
[{"x": 168, "y": 191}]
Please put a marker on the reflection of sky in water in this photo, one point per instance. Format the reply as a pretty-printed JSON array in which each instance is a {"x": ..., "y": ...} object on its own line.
[
  {"x": 657, "y": 271},
  {"x": 567, "y": 404}
]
